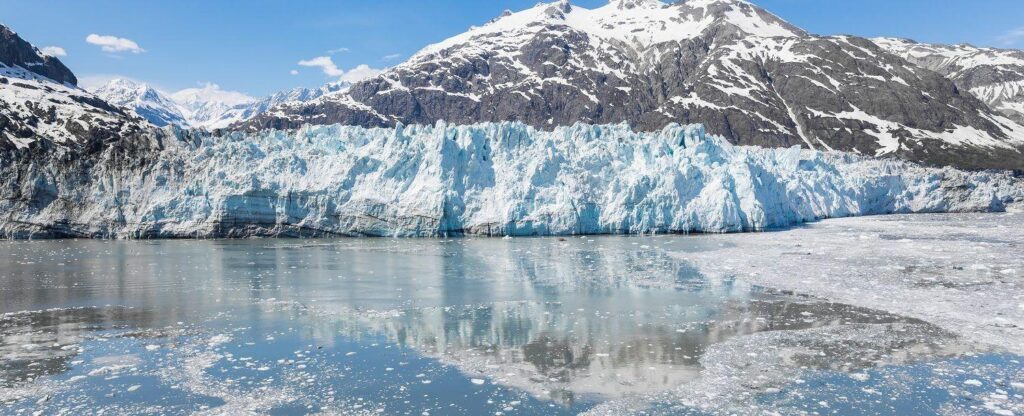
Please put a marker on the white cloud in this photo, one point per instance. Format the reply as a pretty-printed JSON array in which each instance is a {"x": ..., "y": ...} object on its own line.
[
  {"x": 55, "y": 51},
  {"x": 114, "y": 44},
  {"x": 294, "y": 72},
  {"x": 339, "y": 50},
  {"x": 392, "y": 57},
  {"x": 1011, "y": 37},
  {"x": 360, "y": 73},
  {"x": 329, "y": 68},
  {"x": 210, "y": 92},
  {"x": 325, "y": 63}
]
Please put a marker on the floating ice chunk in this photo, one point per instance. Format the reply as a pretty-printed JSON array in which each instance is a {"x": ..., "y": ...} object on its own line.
[
  {"x": 972, "y": 382},
  {"x": 219, "y": 339},
  {"x": 478, "y": 381}
]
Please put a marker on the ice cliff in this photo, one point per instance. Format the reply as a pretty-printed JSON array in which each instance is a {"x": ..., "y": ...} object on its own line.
[{"x": 486, "y": 179}]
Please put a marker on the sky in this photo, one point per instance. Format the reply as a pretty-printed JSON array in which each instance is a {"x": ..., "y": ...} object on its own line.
[{"x": 261, "y": 46}]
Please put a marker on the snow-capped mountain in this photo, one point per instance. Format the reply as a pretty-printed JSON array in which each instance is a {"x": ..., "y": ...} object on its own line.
[
  {"x": 146, "y": 101},
  {"x": 740, "y": 70},
  {"x": 245, "y": 111},
  {"x": 40, "y": 102},
  {"x": 204, "y": 105},
  {"x": 996, "y": 76}
]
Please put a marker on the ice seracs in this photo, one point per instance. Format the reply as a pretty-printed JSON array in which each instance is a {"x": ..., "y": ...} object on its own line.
[{"x": 496, "y": 179}]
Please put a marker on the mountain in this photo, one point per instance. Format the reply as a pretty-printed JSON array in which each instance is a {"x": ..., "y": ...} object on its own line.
[
  {"x": 16, "y": 52},
  {"x": 743, "y": 72},
  {"x": 995, "y": 76},
  {"x": 204, "y": 105},
  {"x": 40, "y": 103},
  {"x": 208, "y": 107},
  {"x": 147, "y": 102},
  {"x": 247, "y": 110}
]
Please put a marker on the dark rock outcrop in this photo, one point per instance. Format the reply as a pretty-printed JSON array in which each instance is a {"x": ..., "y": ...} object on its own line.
[{"x": 15, "y": 51}]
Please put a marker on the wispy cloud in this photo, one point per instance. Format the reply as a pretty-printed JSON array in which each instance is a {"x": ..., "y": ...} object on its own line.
[
  {"x": 294, "y": 72},
  {"x": 360, "y": 73},
  {"x": 325, "y": 63},
  {"x": 339, "y": 50},
  {"x": 329, "y": 68},
  {"x": 391, "y": 57},
  {"x": 55, "y": 51},
  {"x": 114, "y": 44},
  {"x": 1011, "y": 37}
]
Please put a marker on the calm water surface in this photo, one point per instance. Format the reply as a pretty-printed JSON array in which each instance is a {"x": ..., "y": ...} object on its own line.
[{"x": 466, "y": 326}]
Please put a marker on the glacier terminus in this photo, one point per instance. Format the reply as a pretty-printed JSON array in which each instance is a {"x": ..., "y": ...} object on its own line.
[{"x": 494, "y": 179}]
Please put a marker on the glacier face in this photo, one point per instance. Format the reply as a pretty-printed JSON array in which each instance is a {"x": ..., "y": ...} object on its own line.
[{"x": 485, "y": 179}]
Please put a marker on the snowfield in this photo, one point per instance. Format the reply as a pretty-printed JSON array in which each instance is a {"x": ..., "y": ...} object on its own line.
[{"x": 487, "y": 179}]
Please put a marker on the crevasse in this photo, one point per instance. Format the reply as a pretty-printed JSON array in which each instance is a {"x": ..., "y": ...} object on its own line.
[{"x": 486, "y": 179}]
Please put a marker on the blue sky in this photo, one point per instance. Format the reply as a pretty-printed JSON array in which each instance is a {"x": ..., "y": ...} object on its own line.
[{"x": 254, "y": 46}]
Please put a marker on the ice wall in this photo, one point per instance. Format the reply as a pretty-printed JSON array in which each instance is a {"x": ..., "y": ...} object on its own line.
[{"x": 487, "y": 179}]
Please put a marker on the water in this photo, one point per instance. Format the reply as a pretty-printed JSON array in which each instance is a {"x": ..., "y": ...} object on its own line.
[{"x": 465, "y": 326}]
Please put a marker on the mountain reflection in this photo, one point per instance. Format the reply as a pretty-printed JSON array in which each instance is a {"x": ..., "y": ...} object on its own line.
[{"x": 563, "y": 319}]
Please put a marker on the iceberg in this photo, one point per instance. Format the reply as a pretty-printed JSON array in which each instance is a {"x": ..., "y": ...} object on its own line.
[{"x": 492, "y": 179}]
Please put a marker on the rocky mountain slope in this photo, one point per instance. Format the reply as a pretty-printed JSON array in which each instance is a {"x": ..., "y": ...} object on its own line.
[
  {"x": 40, "y": 103},
  {"x": 728, "y": 64},
  {"x": 995, "y": 76}
]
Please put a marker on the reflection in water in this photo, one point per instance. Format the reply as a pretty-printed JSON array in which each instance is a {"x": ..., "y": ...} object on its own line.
[
  {"x": 37, "y": 344},
  {"x": 569, "y": 321}
]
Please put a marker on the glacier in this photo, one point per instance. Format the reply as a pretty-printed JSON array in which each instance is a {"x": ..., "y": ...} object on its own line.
[{"x": 491, "y": 179}]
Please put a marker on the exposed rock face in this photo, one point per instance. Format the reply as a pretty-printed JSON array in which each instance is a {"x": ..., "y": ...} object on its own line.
[
  {"x": 487, "y": 179},
  {"x": 15, "y": 51},
  {"x": 738, "y": 69},
  {"x": 996, "y": 76}
]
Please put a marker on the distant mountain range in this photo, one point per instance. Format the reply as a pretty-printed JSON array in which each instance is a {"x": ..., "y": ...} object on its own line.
[{"x": 206, "y": 107}]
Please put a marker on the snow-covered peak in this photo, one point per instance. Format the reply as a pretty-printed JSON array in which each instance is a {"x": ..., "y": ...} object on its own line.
[
  {"x": 636, "y": 4},
  {"x": 248, "y": 110},
  {"x": 205, "y": 104},
  {"x": 144, "y": 100},
  {"x": 641, "y": 23}
]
